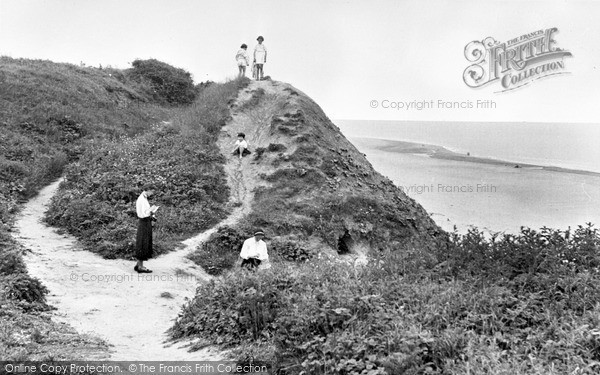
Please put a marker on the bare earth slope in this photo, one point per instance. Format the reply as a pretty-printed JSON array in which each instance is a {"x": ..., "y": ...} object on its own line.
[{"x": 307, "y": 182}]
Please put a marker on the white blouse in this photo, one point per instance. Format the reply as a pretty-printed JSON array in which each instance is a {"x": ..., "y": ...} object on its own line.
[
  {"x": 241, "y": 144},
  {"x": 142, "y": 206},
  {"x": 254, "y": 249},
  {"x": 260, "y": 54}
]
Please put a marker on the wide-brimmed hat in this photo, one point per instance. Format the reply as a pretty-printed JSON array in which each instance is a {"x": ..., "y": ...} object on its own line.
[
  {"x": 259, "y": 232},
  {"x": 260, "y": 38}
]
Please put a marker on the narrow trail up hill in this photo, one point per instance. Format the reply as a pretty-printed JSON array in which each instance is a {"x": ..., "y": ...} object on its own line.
[{"x": 105, "y": 297}]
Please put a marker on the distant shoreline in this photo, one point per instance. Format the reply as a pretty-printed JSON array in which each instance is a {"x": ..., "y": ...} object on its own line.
[{"x": 440, "y": 152}]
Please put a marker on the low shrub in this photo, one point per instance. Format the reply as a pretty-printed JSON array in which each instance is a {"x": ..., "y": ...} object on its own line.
[
  {"x": 22, "y": 287},
  {"x": 258, "y": 153},
  {"x": 276, "y": 147},
  {"x": 289, "y": 249},
  {"x": 546, "y": 251},
  {"x": 11, "y": 262},
  {"x": 221, "y": 251}
]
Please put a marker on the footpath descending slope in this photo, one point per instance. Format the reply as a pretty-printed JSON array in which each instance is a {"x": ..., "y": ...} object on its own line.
[{"x": 105, "y": 297}]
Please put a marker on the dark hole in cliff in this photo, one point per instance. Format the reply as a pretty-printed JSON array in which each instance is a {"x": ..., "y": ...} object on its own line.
[{"x": 344, "y": 243}]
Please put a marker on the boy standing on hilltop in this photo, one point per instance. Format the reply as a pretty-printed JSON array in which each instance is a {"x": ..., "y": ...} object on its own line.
[{"x": 260, "y": 57}]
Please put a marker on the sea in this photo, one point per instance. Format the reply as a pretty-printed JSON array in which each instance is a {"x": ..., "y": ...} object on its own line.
[
  {"x": 461, "y": 195},
  {"x": 573, "y": 146}
]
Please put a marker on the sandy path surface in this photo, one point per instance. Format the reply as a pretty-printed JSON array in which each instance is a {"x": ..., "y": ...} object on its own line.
[
  {"x": 243, "y": 174},
  {"x": 107, "y": 298}
]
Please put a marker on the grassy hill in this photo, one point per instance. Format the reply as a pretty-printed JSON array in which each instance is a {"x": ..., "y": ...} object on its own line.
[
  {"x": 425, "y": 302},
  {"x": 50, "y": 114}
]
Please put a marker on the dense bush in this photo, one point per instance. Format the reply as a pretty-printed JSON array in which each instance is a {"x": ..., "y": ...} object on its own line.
[
  {"x": 289, "y": 249},
  {"x": 221, "y": 251},
  {"x": 546, "y": 251},
  {"x": 22, "y": 287},
  {"x": 170, "y": 85},
  {"x": 403, "y": 315}
]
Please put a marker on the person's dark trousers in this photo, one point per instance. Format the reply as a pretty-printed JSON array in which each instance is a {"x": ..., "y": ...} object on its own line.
[{"x": 251, "y": 263}]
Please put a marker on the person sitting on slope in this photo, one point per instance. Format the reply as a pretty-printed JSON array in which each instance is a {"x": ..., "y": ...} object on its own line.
[
  {"x": 254, "y": 251},
  {"x": 241, "y": 146}
]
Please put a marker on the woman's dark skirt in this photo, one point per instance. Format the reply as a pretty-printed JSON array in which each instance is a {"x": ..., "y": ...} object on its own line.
[{"x": 143, "y": 240}]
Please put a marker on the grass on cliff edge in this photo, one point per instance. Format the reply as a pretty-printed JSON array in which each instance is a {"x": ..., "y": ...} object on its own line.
[{"x": 513, "y": 304}]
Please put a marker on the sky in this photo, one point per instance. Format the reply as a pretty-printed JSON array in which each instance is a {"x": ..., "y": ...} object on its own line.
[{"x": 353, "y": 57}]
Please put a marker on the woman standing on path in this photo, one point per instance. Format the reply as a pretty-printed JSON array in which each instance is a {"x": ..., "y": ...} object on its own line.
[
  {"x": 260, "y": 57},
  {"x": 243, "y": 60},
  {"x": 143, "y": 240}
]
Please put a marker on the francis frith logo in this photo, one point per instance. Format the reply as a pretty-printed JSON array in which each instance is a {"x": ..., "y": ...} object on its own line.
[{"x": 514, "y": 63}]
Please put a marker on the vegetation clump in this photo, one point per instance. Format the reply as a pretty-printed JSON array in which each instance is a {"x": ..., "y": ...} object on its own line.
[
  {"x": 411, "y": 314},
  {"x": 221, "y": 251},
  {"x": 51, "y": 115},
  {"x": 169, "y": 85}
]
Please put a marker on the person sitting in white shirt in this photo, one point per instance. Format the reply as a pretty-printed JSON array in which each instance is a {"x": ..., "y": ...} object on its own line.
[
  {"x": 241, "y": 146},
  {"x": 254, "y": 251}
]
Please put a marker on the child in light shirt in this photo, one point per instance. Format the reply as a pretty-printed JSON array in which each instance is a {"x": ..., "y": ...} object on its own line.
[
  {"x": 241, "y": 146},
  {"x": 243, "y": 60}
]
